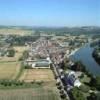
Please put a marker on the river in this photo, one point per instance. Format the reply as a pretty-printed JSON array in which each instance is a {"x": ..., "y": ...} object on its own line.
[{"x": 84, "y": 54}]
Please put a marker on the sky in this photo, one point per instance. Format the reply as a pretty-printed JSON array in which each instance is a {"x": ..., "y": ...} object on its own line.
[{"x": 50, "y": 12}]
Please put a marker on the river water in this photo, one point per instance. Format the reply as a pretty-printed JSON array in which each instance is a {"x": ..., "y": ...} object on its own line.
[{"x": 84, "y": 54}]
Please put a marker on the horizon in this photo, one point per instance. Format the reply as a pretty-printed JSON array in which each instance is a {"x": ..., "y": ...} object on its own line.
[
  {"x": 50, "y": 13},
  {"x": 46, "y": 26}
]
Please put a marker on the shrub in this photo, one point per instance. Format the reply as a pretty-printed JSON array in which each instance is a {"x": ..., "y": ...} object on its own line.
[
  {"x": 77, "y": 94},
  {"x": 39, "y": 83},
  {"x": 11, "y": 53},
  {"x": 33, "y": 82},
  {"x": 82, "y": 76},
  {"x": 84, "y": 88}
]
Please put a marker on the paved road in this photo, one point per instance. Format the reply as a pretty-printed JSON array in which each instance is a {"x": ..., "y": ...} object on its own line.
[{"x": 56, "y": 71}]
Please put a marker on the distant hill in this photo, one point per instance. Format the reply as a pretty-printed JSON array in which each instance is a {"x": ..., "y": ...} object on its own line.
[{"x": 59, "y": 30}]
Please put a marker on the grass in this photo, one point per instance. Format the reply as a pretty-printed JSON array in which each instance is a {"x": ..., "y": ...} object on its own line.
[
  {"x": 12, "y": 31},
  {"x": 9, "y": 70},
  {"x": 19, "y": 51},
  {"x": 85, "y": 79},
  {"x": 37, "y": 75},
  {"x": 10, "y": 67},
  {"x": 29, "y": 94},
  {"x": 20, "y": 72}
]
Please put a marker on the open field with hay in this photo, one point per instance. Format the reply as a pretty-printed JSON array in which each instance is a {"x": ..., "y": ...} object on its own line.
[
  {"x": 37, "y": 75},
  {"x": 10, "y": 66},
  {"x": 15, "y": 31},
  {"x": 9, "y": 70},
  {"x": 18, "y": 53}
]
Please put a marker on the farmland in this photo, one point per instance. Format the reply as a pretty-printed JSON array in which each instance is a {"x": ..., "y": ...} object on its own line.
[
  {"x": 29, "y": 94},
  {"x": 37, "y": 75},
  {"x": 19, "y": 51},
  {"x": 9, "y": 70},
  {"x": 10, "y": 66},
  {"x": 15, "y": 31},
  {"x": 25, "y": 84}
]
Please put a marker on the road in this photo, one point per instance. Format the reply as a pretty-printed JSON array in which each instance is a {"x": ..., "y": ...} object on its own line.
[
  {"x": 57, "y": 74},
  {"x": 54, "y": 59},
  {"x": 56, "y": 71}
]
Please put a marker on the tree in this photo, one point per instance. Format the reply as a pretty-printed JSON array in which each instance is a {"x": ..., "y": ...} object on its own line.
[
  {"x": 98, "y": 96},
  {"x": 92, "y": 81},
  {"x": 92, "y": 96},
  {"x": 24, "y": 56},
  {"x": 77, "y": 94},
  {"x": 84, "y": 88},
  {"x": 95, "y": 82},
  {"x": 78, "y": 66},
  {"x": 11, "y": 53},
  {"x": 98, "y": 83}
]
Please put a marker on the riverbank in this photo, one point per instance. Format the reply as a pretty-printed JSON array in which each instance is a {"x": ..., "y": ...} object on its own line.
[
  {"x": 84, "y": 54},
  {"x": 72, "y": 52},
  {"x": 96, "y": 55}
]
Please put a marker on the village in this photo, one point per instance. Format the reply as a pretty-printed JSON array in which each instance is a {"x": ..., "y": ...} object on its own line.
[
  {"x": 45, "y": 53},
  {"x": 45, "y": 60}
]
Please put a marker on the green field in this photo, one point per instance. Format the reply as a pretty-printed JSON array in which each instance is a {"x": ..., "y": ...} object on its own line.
[{"x": 29, "y": 94}]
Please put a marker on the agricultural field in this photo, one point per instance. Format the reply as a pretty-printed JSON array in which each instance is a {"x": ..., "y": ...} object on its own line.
[
  {"x": 29, "y": 94},
  {"x": 37, "y": 75},
  {"x": 10, "y": 66},
  {"x": 19, "y": 51},
  {"x": 9, "y": 70},
  {"x": 15, "y": 31}
]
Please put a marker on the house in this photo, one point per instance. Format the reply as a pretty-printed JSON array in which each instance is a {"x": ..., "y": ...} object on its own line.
[
  {"x": 70, "y": 80},
  {"x": 73, "y": 79},
  {"x": 77, "y": 83},
  {"x": 41, "y": 63}
]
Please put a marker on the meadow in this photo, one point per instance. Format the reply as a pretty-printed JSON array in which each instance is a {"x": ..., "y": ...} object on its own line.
[{"x": 29, "y": 94}]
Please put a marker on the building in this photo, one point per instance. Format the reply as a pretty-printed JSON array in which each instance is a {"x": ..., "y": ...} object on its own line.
[
  {"x": 41, "y": 63},
  {"x": 73, "y": 79}
]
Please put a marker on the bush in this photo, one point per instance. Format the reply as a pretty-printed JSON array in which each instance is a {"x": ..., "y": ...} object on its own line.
[
  {"x": 11, "y": 53},
  {"x": 63, "y": 96},
  {"x": 84, "y": 88},
  {"x": 59, "y": 87},
  {"x": 39, "y": 83},
  {"x": 27, "y": 67},
  {"x": 82, "y": 76},
  {"x": 93, "y": 88},
  {"x": 33, "y": 82},
  {"x": 95, "y": 82},
  {"x": 77, "y": 94},
  {"x": 11, "y": 83},
  {"x": 20, "y": 59}
]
